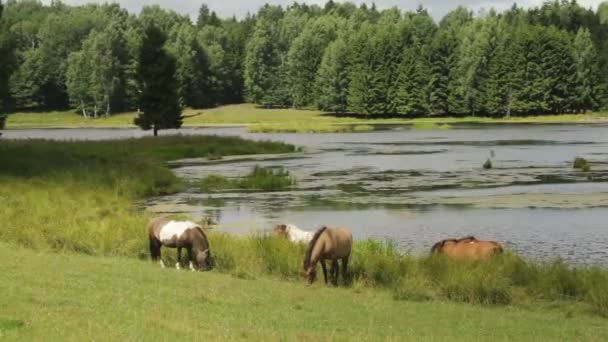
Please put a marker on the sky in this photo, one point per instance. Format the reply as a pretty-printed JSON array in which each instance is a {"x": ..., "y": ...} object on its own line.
[{"x": 228, "y": 8}]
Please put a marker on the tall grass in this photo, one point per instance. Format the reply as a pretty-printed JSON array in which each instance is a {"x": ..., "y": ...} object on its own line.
[
  {"x": 260, "y": 178},
  {"x": 79, "y": 197}
]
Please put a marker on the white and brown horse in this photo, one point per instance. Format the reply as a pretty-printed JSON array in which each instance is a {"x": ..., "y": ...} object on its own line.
[
  {"x": 293, "y": 233},
  {"x": 180, "y": 234},
  {"x": 467, "y": 248},
  {"x": 328, "y": 243}
]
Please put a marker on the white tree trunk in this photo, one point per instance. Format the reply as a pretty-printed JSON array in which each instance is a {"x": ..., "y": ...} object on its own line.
[{"x": 84, "y": 110}]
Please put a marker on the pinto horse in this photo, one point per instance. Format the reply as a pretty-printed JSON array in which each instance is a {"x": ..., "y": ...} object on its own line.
[
  {"x": 467, "y": 248},
  {"x": 180, "y": 234},
  {"x": 293, "y": 233},
  {"x": 328, "y": 243}
]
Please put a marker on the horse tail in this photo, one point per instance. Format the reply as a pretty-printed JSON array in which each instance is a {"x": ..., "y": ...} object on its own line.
[{"x": 311, "y": 246}]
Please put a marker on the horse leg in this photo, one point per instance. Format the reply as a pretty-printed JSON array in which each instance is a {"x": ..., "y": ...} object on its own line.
[
  {"x": 344, "y": 267},
  {"x": 324, "y": 270},
  {"x": 189, "y": 250},
  {"x": 155, "y": 251},
  {"x": 334, "y": 272},
  {"x": 179, "y": 257}
]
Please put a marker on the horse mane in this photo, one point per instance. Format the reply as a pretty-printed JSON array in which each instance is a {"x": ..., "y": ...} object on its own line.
[
  {"x": 466, "y": 238},
  {"x": 312, "y": 244},
  {"x": 439, "y": 245}
]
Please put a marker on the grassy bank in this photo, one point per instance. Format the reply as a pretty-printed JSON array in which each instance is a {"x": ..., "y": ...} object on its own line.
[
  {"x": 278, "y": 120},
  {"x": 80, "y": 196},
  {"x": 74, "y": 297},
  {"x": 79, "y": 199}
]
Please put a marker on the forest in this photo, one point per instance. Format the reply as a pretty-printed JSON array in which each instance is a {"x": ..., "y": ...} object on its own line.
[{"x": 340, "y": 58}]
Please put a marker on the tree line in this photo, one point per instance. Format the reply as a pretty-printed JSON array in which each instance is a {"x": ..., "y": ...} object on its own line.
[
  {"x": 339, "y": 57},
  {"x": 348, "y": 59}
]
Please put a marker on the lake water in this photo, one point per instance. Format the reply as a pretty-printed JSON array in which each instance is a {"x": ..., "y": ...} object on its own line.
[{"x": 415, "y": 186}]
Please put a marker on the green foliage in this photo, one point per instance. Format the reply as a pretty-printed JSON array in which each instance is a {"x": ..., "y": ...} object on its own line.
[
  {"x": 579, "y": 163},
  {"x": 488, "y": 164},
  {"x": 158, "y": 99},
  {"x": 550, "y": 59},
  {"x": 331, "y": 84},
  {"x": 305, "y": 56},
  {"x": 6, "y": 65},
  {"x": 193, "y": 72},
  {"x": 259, "y": 178}
]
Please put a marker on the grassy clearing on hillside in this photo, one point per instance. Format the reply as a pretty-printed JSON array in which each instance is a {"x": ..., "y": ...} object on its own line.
[
  {"x": 73, "y": 297},
  {"x": 278, "y": 120}
]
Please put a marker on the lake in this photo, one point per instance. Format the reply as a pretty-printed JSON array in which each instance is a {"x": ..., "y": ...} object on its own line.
[{"x": 414, "y": 186}]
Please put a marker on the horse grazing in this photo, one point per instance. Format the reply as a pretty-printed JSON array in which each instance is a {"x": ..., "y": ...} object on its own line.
[
  {"x": 293, "y": 233},
  {"x": 328, "y": 243},
  {"x": 180, "y": 234},
  {"x": 467, "y": 248}
]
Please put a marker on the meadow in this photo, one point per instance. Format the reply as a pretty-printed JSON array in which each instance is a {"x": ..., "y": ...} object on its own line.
[
  {"x": 74, "y": 297},
  {"x": 286, "y": 120},
  {"x": 73, "y": 241}
]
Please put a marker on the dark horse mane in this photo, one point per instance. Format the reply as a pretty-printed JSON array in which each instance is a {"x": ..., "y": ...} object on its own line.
[
  {"x": 312, "y": 244},
  {"x": 439, "y": 245},
  {"x": 200, "y": 230}
]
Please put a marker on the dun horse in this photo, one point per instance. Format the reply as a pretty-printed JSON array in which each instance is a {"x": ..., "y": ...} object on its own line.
[
  {"x": 467, "y": 248},
  {"x": 293, "y": 233},
  {"x": 328, "y": 243},
  {"x": 180, "y": 234}
]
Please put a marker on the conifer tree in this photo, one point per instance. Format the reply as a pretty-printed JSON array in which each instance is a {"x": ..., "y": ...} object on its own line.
[
  {"x": 587, "y": 71},
  {"x": 158, "y": 100},
  {"x": 331, "y": 84}
]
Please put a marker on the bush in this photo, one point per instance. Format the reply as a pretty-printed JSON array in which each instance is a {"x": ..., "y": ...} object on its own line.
[
  {"x": 260, "y": 178},
  {"x": 267, "y": 179},
  {"x": 488, "y": 164},
  {"x": 580, "y": 163}
]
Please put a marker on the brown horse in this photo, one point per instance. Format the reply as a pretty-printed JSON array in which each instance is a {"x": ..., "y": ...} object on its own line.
[
  {"x": 467, "y": 248},
  {"x": 180, "y": 234},
  {"x": 328, "y": 243}
]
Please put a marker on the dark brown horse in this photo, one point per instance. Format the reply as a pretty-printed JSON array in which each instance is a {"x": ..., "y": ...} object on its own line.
[
  {"x": 328, "y": 243},
  {"x": 180, "y": 234},
  {"x": 467, "y": 248}
]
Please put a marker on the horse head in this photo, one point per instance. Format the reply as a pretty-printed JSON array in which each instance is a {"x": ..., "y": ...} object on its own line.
[{"x": 204, "y": 260}]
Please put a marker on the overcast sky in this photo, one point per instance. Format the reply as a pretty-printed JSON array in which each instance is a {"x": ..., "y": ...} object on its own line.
[{"x": 227, "y": 8}]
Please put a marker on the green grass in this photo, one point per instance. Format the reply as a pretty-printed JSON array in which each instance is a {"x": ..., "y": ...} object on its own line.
[
  {"x": 280, "y": 120},
  {"x": 74, "y": 297},
  {"x": 430, "y": 125},
  {"x": 259, "y": 178},
  {"x": 81, "y": 196},
  {"x": 313, "y": 127}
]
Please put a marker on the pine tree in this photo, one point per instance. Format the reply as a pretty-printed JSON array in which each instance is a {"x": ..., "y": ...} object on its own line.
[
  {"x": 262, "y": 62},
  {"x": 442, "y": 61},
  {"x": 587, "y": 72},
  {"x": 362, "y": 77},
  {"x": 413, "y": 94},
  {"x": 331, "y": 84},
  {"x": 193, "y": 71},
  {"x": 158, "y": 101},
  {"x": 304, "y": 58}
]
